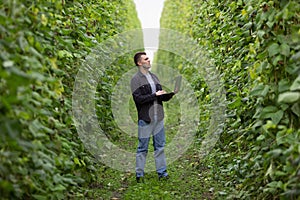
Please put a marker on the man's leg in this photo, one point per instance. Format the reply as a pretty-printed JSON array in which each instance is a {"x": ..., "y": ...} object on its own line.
[
  {"x": 144, "y": 133},
  {"x": 159, "y": 142}
]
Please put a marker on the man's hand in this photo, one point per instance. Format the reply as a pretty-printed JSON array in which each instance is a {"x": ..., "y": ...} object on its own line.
[{"x": 160, "y": 92}]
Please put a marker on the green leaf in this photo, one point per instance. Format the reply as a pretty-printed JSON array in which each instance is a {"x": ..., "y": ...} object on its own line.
[
  {"x": 277, "y": 59},
  {"x": 270, "y": 24},
  {"x": 260, "y": 90},
  {"x": 77, "y": 162},
  {"x": 261, "y": 137},
  {"x": 275, "y": 152},
  {"x": 276, "y": 117},
  {"x": 285, "y": 49},
  {"x": 39, "y": 197},
  {"x": 235, "y": 104},
  {"x": 269, "y": 109},
  {"x": 269, "y": 125},
  {"x": 295, "y": 57},
  {"x": 8, "y": 63},
  {"x": 281, "y": 136},
  {"x": 273, "y": 49},
  {"x": 270, "y": 171},
  {"x": 296, "y": 109},
  {"x": 58, "y": 188},
  {"x": 270, "y": 112},
  {"x": 261, "y": 33},
  {"x": 275, "y": 184},
  {"x": 296, "y": 84},
  {"x": 280, "y": 173},
  {"x": 292, "y": 68},
  {"x": 262, "y": 66},
  {"x": 283, "y": 86},
  {"x": 288, "y": 97},
  {"x": 64, "y": 53}
]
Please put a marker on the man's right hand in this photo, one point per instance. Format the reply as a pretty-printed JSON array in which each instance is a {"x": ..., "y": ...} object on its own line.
[{"x": 160, "y": 92}]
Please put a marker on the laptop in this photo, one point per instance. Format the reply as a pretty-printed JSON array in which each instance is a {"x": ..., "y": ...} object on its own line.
[
  {"x": 177, "y": 84},
  {"x": 176, "y": 87}
]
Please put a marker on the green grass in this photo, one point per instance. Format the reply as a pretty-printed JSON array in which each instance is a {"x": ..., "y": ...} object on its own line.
[
  {"x": 186, "y": 182},
  {"x": 189, "y": 179}
]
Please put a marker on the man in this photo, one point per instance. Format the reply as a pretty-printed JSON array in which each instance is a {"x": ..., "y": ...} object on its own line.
[{"x": 148, "y": 97}]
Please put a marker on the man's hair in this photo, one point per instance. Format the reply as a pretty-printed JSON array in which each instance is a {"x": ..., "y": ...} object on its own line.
[{"x": 137, "y": 57}]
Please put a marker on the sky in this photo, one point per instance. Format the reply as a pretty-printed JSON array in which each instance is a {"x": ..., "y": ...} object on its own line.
[{"x": 149, "y": 12}]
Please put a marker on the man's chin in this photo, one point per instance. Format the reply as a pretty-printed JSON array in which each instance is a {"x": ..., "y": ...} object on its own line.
[{"x": 147, "y": 67}]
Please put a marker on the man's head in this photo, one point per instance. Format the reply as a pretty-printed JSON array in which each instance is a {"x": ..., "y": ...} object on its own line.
[{"x": 141, "y": 59}]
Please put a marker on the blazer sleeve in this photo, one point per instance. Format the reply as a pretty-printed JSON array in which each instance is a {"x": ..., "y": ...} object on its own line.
[{"x": 166, "y": 97}]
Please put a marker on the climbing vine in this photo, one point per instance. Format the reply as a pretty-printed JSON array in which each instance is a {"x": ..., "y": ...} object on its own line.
[
  {"x": 42, "y": 45},
  {"x": 255, "y": 46}
]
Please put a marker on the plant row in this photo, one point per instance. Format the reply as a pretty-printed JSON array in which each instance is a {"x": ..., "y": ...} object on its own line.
[
  {"x": 254, "y": 45},
  {"x": 43, "y": 44}
]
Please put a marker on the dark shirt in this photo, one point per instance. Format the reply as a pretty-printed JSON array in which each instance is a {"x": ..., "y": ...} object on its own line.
[{"x": 144, "y": 98}]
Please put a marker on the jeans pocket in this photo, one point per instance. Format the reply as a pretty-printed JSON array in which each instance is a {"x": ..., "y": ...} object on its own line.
[{"x": 142, "y": 123}]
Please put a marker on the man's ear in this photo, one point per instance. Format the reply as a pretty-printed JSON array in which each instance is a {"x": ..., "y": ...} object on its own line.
[{"x": 139, "y": 63}]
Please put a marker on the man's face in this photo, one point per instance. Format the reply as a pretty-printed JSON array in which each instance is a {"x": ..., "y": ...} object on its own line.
[{"x": 145, "y": 61}]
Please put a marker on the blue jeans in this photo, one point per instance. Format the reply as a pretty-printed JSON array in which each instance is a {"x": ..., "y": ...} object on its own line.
[{"x": 145, "y": 130}]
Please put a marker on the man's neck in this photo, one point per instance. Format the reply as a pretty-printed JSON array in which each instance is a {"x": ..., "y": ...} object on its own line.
[{"x": 143, "y": 70}]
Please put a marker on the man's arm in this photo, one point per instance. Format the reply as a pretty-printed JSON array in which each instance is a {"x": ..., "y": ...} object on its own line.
[
  {"x": 140, "y": 99},
  {"x": 166, "y": 97}
]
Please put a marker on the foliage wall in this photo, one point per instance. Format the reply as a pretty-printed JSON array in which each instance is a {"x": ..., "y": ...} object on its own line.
[
  {"x": 42, "y": 45},
  {"x": 255, "y": 46}
]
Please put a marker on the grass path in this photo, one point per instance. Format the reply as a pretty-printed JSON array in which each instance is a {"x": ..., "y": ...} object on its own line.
[{"x": 189, "y": 179}]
